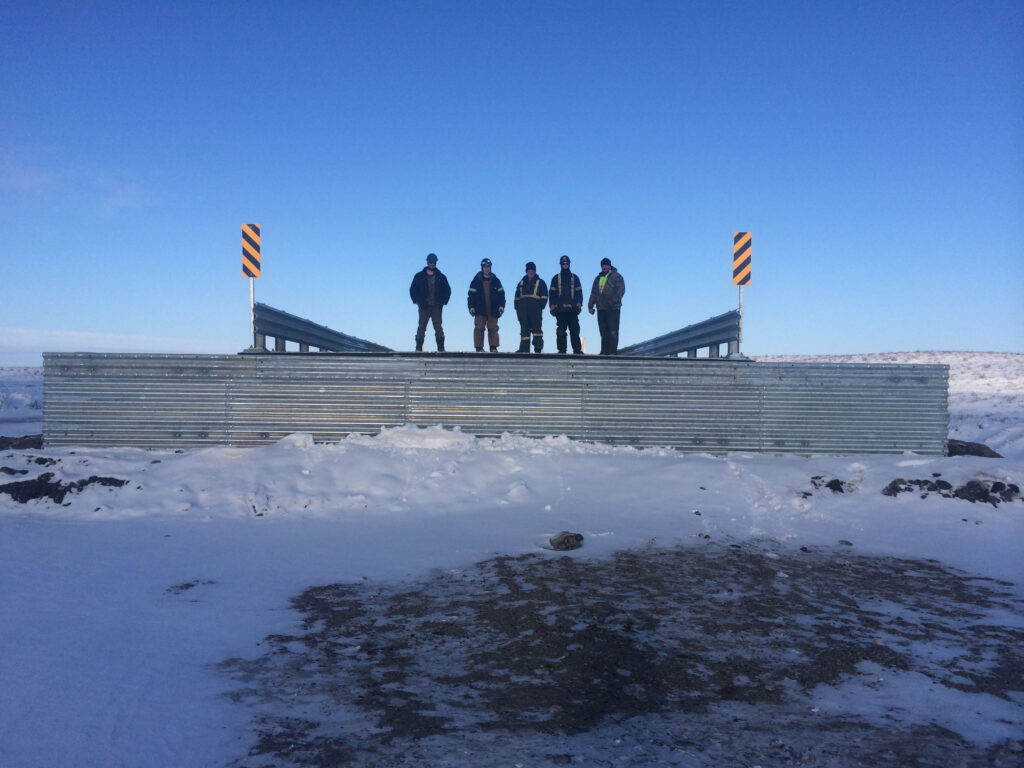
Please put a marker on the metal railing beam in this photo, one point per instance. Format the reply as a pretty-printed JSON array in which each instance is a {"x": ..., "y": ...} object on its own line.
[
  {"x": 283, "y": 327},
  {"x": 723, "y": 329}
]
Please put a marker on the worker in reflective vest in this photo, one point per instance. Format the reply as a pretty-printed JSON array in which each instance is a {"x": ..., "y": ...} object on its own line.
[
  {"x": 606, "y": 295},
  {"x": 531, "y": 298},
  {"x": 566, "y": 303}
]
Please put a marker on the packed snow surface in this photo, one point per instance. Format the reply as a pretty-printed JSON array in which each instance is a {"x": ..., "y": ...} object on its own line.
[{"x": 394, "y": 600}]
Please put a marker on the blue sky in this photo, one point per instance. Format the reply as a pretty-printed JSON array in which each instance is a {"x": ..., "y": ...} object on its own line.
[{"x": 874, "y": 149}]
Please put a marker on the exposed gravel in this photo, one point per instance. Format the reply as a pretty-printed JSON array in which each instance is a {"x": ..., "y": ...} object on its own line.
[{"x": 678, "y": 656}]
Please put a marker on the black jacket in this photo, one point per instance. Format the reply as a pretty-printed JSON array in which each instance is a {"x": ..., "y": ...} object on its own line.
[
  {"x": 531, "y": 292},
  {"x": 476, "y": 295},
  {"x": 418, "y": 289},
  {"x": 566, "y": 293}
]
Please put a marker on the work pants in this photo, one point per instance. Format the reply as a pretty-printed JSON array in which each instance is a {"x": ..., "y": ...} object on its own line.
[
  {"x": 479, "y": 322},
  {"x": 433, "y": 314},
  {"x": 568, "y": 321},
  {"x": 530, "y": 319},
  {"x": 608, "y": 325}
]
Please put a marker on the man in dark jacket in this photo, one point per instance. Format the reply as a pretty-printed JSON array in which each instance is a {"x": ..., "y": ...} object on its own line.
[
  {"x": 566, "y": 302},
  {"x": 531, "y": 298},
  {"x": 606, "y": 294},
  {"x": 430, "y": 292},
  {"x": 486, "y": 303}
]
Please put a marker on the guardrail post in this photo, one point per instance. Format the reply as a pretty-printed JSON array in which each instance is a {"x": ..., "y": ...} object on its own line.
[
  {"x": 734, "y": 348},
  {"x": 713, "y": 351},
  {"x": 259, "y": 341},
  {"x": 303, "y": 347},
  {"x": 691, "y": 353},
  {"x": 279, "y": 344}
]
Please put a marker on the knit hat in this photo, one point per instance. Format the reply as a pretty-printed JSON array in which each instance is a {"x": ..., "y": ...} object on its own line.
[
  {"x": 564, "y": 261},
  {"x": 432, "y": 258},
  {"x": 606, "y": 261},
  {"x": 485, "y": 263},
  {"x": 530, "y": 265}
]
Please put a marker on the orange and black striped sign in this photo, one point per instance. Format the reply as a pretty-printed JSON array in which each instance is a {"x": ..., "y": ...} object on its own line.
[
  {"x": 250, "y": 250},
  {"x": 741, "y": 258}
]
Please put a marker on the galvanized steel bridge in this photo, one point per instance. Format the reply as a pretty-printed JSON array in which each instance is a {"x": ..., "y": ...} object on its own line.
[{"x": 714, "y": 405}]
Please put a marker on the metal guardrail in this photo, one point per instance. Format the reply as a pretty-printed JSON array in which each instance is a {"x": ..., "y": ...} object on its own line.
[
  {"x": 723, "y": 329},
  {"x": 697, "y": 405},
  {"x": 282, "y": 327}
]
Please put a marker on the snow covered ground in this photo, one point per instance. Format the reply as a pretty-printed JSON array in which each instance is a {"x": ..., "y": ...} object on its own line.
[{"x": 392, "y": 600}]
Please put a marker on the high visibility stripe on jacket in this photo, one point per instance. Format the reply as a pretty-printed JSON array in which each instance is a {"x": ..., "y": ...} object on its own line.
[
  {"x": 566, "y": 292},
  {"x": 535, "y": 291},
  {"x": 607, "y": 291}
]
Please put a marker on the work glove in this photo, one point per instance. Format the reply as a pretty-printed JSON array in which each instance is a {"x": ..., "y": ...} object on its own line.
[
  {"x": 501, "y": 311},
  {"x": 472, "y": 312}
]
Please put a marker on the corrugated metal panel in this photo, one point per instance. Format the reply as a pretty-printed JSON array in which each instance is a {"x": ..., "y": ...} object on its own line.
[{"x": 703, "y": 404}]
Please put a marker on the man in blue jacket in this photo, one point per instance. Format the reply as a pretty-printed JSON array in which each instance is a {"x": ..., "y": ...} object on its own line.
[
  {"x": 486, "y": 304},
  {"x": 531, "y": 298},
  {"x": 430, "y": 292},
  {"x": 566, "y": 302}
]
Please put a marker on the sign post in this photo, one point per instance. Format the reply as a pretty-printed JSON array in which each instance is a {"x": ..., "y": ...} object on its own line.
[
  {"x": 251, "y": 267},
  {"x": 741, "y": 247}
]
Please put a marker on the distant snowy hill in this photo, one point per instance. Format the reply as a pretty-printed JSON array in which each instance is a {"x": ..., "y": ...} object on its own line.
[{"x": 21, "y": 401}]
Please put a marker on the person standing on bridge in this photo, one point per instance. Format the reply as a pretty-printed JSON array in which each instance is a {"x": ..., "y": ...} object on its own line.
[
  {"x": 486, "y": 305},
  {"x": 606, "y": 294},
  {"x": 531, "y": 298},
  {"x": 566, "y": 302},
  {"x": 430, "y": 291}
]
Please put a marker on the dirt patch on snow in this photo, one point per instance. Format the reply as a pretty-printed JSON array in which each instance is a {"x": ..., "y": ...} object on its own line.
[
  {"x": 28, "y": 442},
  {"x": 720, "y": 656},
  {"x": 46, "y": 487}
]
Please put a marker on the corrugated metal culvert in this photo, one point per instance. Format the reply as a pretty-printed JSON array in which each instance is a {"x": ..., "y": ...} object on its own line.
[{"x": 706, "y": 405}]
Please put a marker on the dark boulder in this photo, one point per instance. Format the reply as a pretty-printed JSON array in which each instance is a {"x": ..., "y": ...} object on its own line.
[
  {"x": 566, "y": 540},
  {"x": 965, "y": 448}
]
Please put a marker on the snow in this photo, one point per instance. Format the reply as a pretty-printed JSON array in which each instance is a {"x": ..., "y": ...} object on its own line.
[{"x": 121, "y": 605}]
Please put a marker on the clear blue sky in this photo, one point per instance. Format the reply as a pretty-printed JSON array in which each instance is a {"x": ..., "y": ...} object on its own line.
[{"x": 874, "y": 149}]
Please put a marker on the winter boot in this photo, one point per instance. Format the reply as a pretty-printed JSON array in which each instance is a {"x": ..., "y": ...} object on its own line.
[
  {"x": 538, "y": 345},
  {"x": 481, "y": 349},
  {"x": 493, "y": 349},
  {"x": 524, "y": 346},
  {"x": 419, "y": 343},
  {"x": 440, "y": 343}
]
